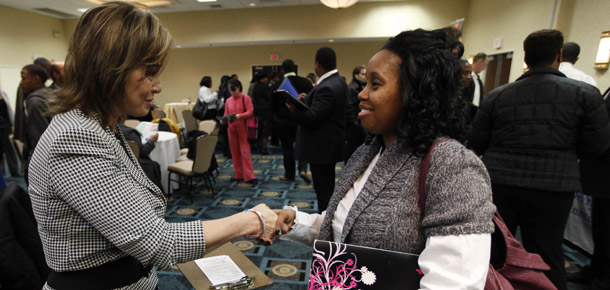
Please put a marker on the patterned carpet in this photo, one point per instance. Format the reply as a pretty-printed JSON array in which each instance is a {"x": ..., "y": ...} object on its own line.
[{"x": 286, "y": 263}]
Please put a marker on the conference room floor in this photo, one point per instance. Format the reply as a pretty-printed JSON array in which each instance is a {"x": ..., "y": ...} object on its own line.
[{"x": 286, "y": 263}]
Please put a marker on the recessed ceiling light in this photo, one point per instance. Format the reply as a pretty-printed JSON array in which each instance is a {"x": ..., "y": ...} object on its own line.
[
  {"x": 331, "y": 40},
  {"x": 252, "y": 4},
  {"x": 82, "y": 10},
  {"x": 206, "y": 0}
]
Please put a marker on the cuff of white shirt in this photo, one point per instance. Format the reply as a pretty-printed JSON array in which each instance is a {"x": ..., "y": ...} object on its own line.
[{"x": 305, "y": 229}]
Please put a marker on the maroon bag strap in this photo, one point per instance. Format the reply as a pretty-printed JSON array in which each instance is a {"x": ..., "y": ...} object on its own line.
[{"x": 423, "y": 173}]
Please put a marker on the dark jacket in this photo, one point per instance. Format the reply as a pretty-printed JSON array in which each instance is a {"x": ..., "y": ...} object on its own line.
[
  {"x": 134, "y": 135},
  {"x": 354, "y": 87},
  {"x": 261, "y": 98},
  {"x": 531, "y": 132},
  {"x": 37, "y": 120},
  {"x": 321, "y": 132},
  {"x": 151, "y": 168},
  {"x": 22, "y": 260},
  {"x": 595, "y": 170}
]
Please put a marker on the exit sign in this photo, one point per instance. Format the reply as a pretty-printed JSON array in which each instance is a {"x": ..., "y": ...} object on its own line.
[{"x": 274, "y": 57}]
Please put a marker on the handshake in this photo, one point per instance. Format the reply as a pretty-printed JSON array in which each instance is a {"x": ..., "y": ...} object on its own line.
[{"x": 271, "y": 224}]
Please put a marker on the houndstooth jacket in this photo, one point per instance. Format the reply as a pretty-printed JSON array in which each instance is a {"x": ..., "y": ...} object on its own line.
[
  {"x": 94, "y": 204},
  {"x": 385, "y": 214}
]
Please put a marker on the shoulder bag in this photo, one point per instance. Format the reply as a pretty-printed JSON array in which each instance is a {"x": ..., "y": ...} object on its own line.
[
  {"x": 200, "y": 110},
  {"x": 511, "y": 267},
  {"x": 251, "y": 124}
]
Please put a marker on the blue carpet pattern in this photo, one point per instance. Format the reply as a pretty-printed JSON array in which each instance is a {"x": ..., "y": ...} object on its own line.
[{"x": 286, "y": 263}]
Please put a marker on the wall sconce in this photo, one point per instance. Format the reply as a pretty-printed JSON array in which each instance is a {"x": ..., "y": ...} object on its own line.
[
  {"x": 603, "y": 52},
  {"x": 338, "y": 4}
]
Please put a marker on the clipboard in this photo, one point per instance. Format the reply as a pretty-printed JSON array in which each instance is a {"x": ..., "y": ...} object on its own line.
[
  {"x": 200, "y": 282},
  {"x": 291, "y": 99}
]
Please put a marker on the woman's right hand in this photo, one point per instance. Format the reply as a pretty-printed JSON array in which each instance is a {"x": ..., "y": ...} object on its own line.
[{"x": 285, "y": 219}]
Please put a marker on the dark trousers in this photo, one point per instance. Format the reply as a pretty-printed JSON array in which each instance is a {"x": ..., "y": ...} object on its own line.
[
  {"x": 541, "y": 217},
  {"x": 323, "y": 176},
  {"x": 600, "y": 222},
  {"x": 224, "y": 135},
  {"x": 6, "y": 150},
  {"x": 288, "y": 132}
]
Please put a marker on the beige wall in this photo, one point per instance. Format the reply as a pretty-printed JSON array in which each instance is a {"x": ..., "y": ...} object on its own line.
[
  {"x": 590, "y": 18},
  {"x": 581, "y": 21},
  {"x": 26, "y": 34},
  {"x": 510, "y": 20},
  {"x": 187, "y": 66},
  {"x": 379, "y": 19},
  {"x": 213, "y": 41}
]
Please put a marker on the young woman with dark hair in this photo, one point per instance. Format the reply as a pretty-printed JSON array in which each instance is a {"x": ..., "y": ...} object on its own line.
[{"x": 411, "y": 100}]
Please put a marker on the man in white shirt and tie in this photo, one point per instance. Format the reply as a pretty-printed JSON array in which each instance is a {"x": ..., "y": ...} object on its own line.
[
  {"x": 479, "y": 63},
  {"x": 569, "y": 57}
]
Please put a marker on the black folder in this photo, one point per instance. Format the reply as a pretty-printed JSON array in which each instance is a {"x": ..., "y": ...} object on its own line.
[
  {"x": 348, "y": 266},
  {"x": 291, "y": 99}
]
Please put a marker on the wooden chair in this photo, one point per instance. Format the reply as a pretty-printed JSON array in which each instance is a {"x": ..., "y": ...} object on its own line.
[
  {"x": 18, "y": 146},
  {"x": 190, "y": 123},
  {"x": 189, "y": 169},
  {"x": 132, "y": 123},
  {"x": 178, "y": 115},
  {"x": 207, "y": 126}
]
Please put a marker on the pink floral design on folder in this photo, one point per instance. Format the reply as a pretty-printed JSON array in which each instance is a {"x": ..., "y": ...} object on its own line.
[{"x": 340, "y": 271}]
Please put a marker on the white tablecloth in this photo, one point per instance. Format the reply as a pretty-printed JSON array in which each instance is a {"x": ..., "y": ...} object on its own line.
[{"x": 166, "y": 151}]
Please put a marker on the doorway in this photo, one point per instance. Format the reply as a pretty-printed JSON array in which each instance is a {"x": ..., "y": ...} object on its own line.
[{"x": 498, "y": 71}]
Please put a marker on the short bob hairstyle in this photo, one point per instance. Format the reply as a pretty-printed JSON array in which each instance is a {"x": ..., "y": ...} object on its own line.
[
  {"x": 109, "y": 42},
  {"x": 429, "y": 81}
]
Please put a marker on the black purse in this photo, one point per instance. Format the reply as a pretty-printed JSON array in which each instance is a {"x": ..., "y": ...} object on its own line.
[{"x": 200, "y": 110}]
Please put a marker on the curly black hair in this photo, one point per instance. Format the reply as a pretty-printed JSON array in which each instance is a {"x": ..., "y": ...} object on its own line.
[{"x": 429, "y": 80}]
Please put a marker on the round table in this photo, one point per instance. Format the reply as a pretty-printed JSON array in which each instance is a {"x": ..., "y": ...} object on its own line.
[{"x": 167, "y": 150}]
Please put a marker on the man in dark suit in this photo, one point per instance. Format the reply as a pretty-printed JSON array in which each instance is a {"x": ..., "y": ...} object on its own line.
[
  {"x": 594, "y": 172},
  {"x": 479, "y": 64},
  {"x": 321, "y": 131},
  {"x": 531, "y": 133},
  {"x": 286, "y": 126}
]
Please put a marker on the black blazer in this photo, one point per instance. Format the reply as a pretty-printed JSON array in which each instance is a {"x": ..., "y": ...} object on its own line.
[
  {"x": 594, "y": 170},
  {"x": 321, "y": 132}
]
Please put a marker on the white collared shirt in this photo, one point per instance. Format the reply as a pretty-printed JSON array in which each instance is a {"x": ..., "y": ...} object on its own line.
[
  {"x": 326, "y": 75},
  {"x": 476, "y": 98},
  {"x": 206, "y": 96},
  {"x": 568, "y": 69}
]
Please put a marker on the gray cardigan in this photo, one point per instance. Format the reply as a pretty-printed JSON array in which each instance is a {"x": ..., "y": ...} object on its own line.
[{"x": 385, "y": 214}]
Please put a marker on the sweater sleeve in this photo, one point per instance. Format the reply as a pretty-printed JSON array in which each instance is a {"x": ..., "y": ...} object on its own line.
[{"x": 458, "y": 193}]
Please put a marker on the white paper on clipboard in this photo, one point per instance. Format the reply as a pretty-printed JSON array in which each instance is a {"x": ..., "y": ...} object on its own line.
[{"x": 220, "y": 269}]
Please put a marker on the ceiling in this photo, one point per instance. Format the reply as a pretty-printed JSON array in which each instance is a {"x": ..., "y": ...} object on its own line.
[{"x": 66, "y": 9}]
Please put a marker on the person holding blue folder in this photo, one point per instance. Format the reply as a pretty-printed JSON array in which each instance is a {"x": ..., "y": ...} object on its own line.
[{"x": 286, "y": 126}]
